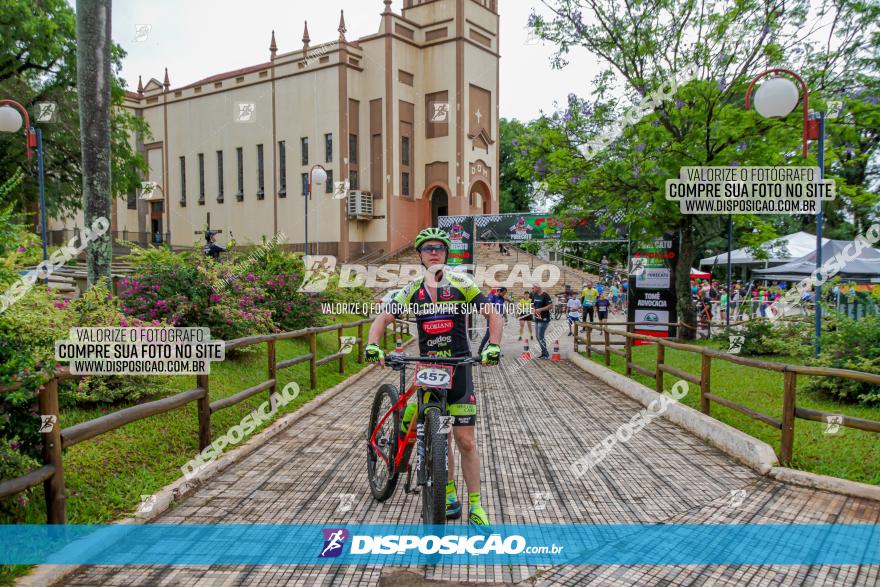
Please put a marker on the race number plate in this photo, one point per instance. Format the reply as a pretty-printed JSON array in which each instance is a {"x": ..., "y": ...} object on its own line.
[{"x": 438, "y": 376}]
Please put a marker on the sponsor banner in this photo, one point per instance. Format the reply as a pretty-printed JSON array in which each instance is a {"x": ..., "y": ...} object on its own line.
[
  {"x": 663, "y": 334},
  {"x": 652, "y": 288},
  {"x": 461, "y": 233},
  {"x": 659, "y": 316},
  {"x": 654, "y": 279},
  {"x": 528, "y": 227},
  {"x": 630, "y": 544}
]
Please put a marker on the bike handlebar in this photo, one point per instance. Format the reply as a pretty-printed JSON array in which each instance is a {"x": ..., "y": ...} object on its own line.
[{"x": 402, "y": 358}]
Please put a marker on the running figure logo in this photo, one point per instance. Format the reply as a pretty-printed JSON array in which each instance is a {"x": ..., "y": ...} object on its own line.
[{"x": 334, "y": 539}]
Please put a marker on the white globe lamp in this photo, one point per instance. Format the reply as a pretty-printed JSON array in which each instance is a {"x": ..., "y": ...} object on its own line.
[
  {"x": 776, "y": 97},
  {"x": 319, "y": 176},
  {"x": 10, "y": 119}
]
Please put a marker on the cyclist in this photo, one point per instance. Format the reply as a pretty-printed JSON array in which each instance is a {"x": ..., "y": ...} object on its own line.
[{"x": 445, "y": 334}]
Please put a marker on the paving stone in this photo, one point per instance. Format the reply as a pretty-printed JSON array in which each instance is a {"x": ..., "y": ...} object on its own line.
[{"x": 535, "y": 420}]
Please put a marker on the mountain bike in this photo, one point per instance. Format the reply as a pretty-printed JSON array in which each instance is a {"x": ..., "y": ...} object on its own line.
[{"x": 388, "y": 452}]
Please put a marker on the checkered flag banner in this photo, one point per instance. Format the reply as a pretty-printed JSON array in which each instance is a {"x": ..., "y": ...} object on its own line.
[
  {"x": 447, "y": 221},
  {"x": 482, "y": 221}
]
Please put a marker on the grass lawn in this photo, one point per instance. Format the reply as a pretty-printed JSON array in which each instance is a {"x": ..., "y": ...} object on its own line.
[
  {"x": 849, "y": 454},
  {"x": 106, "y": 476}
]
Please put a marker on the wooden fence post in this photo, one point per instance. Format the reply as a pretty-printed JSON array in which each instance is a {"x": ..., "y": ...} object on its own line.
[
  {"x": 576, "y": 337},
  {"x": 203, "y": 406},
  {"x": 273, "y": 372},
  {"x": 342, "y": 358},
  {"x": 789, "y": 401},
  {"x": 589, "y": 328},
  {"x": 628, "y": 351},
  {"x": 658, "y": 377},
  {"x": 360, "y": 342},
  {"x": 53, "y": 487},
  {"x": 313, "y": 368},
  {"x": 705, "y": 379},
  {"x": 607, "y": 348}
]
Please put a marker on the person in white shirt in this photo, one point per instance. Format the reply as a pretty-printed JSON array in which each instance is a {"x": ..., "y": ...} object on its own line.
[{"x": 574, "y": 311}]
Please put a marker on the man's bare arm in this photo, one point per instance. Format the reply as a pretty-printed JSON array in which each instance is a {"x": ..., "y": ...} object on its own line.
[{"x": 496, "y": 323}]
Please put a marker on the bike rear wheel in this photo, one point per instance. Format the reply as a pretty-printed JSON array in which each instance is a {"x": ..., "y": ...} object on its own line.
[
  {"x": 434, "y": 491},
  {"x": 383, "y": 477}
]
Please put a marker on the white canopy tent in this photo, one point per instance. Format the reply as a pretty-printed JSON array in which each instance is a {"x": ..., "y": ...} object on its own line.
[{"x": 779, "y": 250}]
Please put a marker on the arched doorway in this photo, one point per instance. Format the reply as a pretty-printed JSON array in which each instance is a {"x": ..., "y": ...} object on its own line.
[
  {"x": 439, "y": 204},
  {"x": 479, "y": 198}
]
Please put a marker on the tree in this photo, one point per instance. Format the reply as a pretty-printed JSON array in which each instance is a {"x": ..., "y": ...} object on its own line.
[
  {"x": 516, "y": 192},
  {"x": 699, "y": 119},
  {"x": 94, "y": 85},
  {"x": 38, "y": 52}
]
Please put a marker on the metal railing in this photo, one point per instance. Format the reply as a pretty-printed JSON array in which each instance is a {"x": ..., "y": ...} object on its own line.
[{"x": 51, "y": 474}]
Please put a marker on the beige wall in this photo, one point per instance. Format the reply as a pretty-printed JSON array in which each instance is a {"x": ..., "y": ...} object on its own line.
[{"x": 308, "y": 94}]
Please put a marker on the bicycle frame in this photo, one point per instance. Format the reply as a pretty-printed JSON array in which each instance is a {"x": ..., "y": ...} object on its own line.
[
  {"x": 415, "y": 434},
  {"x": 412, "y": 432}
]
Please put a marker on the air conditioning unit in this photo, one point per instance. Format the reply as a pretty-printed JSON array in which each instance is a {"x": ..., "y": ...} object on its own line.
[{"x": 360, "y": 205}]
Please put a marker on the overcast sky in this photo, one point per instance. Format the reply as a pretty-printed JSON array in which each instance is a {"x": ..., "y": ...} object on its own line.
[{"x": 199, "y": 38}]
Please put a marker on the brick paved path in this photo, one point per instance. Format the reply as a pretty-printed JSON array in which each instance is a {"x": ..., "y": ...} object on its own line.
[{"x": 535, "y": 420}]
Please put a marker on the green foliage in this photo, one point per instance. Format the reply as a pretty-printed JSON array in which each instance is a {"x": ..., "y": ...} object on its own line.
[
  {"x": 516, "y": 193},
  {"x": 765, "y": 338},
  {"x": 38, "y": 64},
  {"x": 255, "y": 293},
  {"x": 849, "y": 344},
  {"x": 533, "y": 247},
  {"x": 180, "y": 289},
  {"x": 14, "y": 464},
  {"x": 28, "y": 331},
  {"x": 700, "y": 120},
  {"x": 15, "y": 241}
]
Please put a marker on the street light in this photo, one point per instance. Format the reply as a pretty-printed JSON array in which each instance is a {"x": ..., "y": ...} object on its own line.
[
  {"x": 12, "y": 114},
  {"x": 777, "y": 97},
  {"x": 317, "y": 175}
]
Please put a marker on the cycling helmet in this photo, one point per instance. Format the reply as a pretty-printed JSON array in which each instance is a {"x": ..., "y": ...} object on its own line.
[{"x": 432, "y": 234}]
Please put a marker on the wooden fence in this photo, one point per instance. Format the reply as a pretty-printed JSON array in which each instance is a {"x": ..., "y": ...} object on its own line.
[
  {"x": 790, "y": 410},
  {"x": 51, "y": 474}
]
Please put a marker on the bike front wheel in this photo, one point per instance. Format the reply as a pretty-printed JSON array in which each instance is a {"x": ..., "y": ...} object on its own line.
[
  {"x": 436, "y": 473},
  {"x": 383, "y": 476}
]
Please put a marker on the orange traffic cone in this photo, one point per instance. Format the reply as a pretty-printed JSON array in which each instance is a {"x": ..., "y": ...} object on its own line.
[
  {"x": 526, "y": 354},
  {"x": 556, "y": 357}
]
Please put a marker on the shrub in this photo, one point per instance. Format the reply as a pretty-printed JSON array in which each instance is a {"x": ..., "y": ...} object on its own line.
[
  {"x": 28, "y": 331},
  {"x": 849, "y": 344},
  {"x": 185, "y": 289},
  {"x": 14, "y": 464},
  {"x": 763, "y": 337}
]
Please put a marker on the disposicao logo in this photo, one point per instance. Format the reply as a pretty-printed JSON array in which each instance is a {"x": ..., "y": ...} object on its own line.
[{"x": 334, "y": 540}]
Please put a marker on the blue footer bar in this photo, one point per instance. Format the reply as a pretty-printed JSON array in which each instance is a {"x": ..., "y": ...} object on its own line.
[{"x": 212, "y": 544}]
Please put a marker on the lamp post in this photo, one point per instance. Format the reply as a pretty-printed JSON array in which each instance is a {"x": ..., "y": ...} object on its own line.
[
  {"x": 777, "y": 97},
  {"x": 11, "y": 116},
  {"x": 317, "y": 175}
]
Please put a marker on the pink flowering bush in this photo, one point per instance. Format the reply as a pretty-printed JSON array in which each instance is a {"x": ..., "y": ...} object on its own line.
[
  {"x": 186, "y": 289},
  {"x": 28, "y": 331}
]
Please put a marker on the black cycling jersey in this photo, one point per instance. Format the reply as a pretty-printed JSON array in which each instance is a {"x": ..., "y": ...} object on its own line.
[{"x": 442, "y": 323}]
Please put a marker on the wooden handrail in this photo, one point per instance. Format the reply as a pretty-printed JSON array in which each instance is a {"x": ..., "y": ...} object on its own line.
[
  {"x": 85, "y": 430},
  {"x": 790, "y": 410},
  {"x": 25, "y": 482},
  {"x": 51, "y": 474}
]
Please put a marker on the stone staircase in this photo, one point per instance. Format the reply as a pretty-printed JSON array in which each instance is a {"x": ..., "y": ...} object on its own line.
[{"x": 487, "y": 255}]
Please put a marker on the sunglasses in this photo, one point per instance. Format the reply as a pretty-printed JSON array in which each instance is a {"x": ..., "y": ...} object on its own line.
[{"x": 433, "y": 249}]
